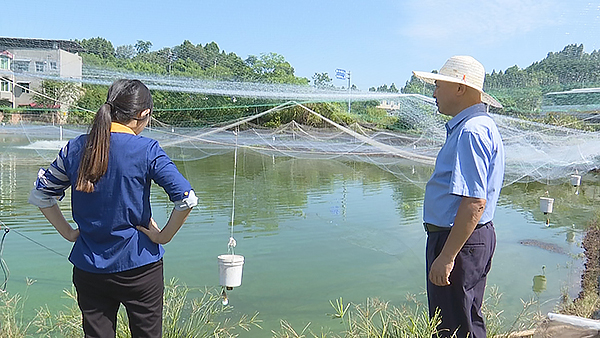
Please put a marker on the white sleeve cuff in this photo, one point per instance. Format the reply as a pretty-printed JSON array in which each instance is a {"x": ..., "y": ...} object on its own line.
[
  {"x": 41, "y": 200},
  {"x": 187, "y": 203}
]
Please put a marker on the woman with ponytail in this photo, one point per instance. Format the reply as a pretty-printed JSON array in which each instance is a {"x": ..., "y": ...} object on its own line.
[{"x": 117, "y": 251}]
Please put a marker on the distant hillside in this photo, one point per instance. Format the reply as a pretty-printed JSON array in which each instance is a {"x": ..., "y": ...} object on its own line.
[{"x": 521, "y": 90}]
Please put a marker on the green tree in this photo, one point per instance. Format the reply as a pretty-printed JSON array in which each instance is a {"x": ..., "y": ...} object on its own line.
[
  {"x": 417, "y": 86},
  {"x": 322, "y": 80},
  {"x": 187, "y": 50},
  {"x": 93, "y": 96},
  {"x": 143, "y": 47},
  {"x": 98, "y": 46},
  {"x": 273, "y": 68},
  {"x": 58, "y": 93},
  {"x": 125, "y": 52}
]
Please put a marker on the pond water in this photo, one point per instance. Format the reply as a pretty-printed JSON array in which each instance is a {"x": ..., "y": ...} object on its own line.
[{"x": 310, "y": 230}]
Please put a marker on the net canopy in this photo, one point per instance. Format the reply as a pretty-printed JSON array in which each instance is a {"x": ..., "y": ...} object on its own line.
[{"x": 201, "y": 117}]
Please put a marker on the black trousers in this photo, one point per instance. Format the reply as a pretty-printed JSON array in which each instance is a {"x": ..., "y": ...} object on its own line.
[
  {"x": 460, "y": 302},
  {"x": 140, "y": 290}
]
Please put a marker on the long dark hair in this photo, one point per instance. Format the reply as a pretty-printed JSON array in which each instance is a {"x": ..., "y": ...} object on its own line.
[{"x": 125, "y": 100}]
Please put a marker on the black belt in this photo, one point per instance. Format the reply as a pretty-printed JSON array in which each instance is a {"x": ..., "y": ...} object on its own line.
[{"x": 434, "y": 228}]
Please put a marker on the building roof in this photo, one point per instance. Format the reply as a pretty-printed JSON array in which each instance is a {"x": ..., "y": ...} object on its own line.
[{"x": 69, "y": 46}]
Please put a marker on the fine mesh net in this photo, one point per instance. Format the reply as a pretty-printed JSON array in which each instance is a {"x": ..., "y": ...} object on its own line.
[{"x": 202, "y": 117}]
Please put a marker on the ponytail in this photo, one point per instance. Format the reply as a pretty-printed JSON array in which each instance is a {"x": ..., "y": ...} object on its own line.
[
  {"x": 94, "y": 160},
  {"x": 125, "y": 100}
]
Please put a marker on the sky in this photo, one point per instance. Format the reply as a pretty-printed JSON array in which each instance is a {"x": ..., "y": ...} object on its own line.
[{"x": 378, "y": 41}]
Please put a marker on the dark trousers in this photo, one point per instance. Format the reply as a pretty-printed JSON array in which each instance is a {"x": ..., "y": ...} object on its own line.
[
  {"x": 460, "y": 302},
  {"x": 140, "y": 290}
]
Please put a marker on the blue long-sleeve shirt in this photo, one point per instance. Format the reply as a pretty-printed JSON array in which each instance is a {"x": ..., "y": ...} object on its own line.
[{"x": 107, "y": 218}]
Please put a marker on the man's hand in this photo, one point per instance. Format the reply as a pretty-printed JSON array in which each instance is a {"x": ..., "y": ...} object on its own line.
[
  {"x": 439, "y": 274},
  {"x": 468, "y": 214},
  {"x": 153, "y": 231}
]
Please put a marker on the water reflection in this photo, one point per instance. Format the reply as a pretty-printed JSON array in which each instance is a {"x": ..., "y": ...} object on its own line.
[
  {"x": 271, "y": 191},
  {"x": 539, "y": 282},
  {"x": 568, "y": 208}
]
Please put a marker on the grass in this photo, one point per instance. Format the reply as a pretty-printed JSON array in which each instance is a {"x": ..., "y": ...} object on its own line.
[
  {"x": 372, "y": 319},
  {"x": 379, "y": 319},
  {"x": 205, "y": 316},
  {"x": 12, "y": 323},
  {"x": 183, "y": 316}
]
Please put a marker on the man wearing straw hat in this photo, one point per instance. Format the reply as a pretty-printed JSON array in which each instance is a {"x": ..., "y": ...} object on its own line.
[{"x": 460, "y": 198}]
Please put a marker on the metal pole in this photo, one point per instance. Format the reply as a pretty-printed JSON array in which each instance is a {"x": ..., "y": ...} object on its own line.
[{"x": 348, "y": 92}]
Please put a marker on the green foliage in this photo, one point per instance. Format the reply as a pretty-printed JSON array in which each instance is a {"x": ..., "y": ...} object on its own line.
[
  {"x": 273, "y": 68},
  {"x": 564, "y": 120},
  {"x": 378, "y": 117},
  {"x": 66, "y": 323},
  {"x": 202, "y": 317},
  {"x": 93, "y": 97},
  {"x": 417, "y": 86},
  {"x": 98, "y": 46},
  {"x": 518, "y": 100},
  {"x": 521, "y": 90},
  {"x": 58, "y": 93},
  {"x": 322, "y": 80},
  {"x": 190, "y": 60},
  {"x": 333, "y": 111},
  {"x": 385, "y": 89},
  {"x": 12, "y": 323},
  {"x": 497, "y": 326},
  {"x": 142, "y": 47},
  {"x": 125, "y": 52},
  {"x": 79, "y": 117},
  {"x": 375, "y": 319}
]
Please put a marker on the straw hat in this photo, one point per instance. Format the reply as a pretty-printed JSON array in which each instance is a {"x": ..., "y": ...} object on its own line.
[{"x": 461, "y": 69}]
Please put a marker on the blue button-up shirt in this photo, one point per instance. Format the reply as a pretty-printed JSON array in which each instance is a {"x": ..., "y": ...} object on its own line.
[
  {"x": 470, "y": 164},
  {"x": 108, "y": 241}
]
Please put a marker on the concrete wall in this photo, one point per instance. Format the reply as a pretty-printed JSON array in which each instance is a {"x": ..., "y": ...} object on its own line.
[
  {"x": 43, "y": 62},
  {"x": 70, "y": 65}
]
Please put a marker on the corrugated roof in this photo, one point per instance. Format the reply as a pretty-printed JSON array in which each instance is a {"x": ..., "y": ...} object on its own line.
[{"x": 69, "y": 46}]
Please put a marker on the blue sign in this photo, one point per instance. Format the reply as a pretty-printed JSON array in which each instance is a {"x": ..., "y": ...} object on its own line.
[{"x": 340, "y": 74}]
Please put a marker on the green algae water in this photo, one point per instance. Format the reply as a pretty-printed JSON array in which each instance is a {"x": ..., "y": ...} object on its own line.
[{"x": 310, "y": 230}]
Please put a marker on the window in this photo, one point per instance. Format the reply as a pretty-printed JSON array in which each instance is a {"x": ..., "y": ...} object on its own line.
[
  {"x": 24, "y": 86},
  {"x": 4, "y": 62},
  {"x": 4, "y": 86},
  {"x": 53, "y": 65},
  {"x": 39, "y": 66},
  {"x": 20, "y": 65}
]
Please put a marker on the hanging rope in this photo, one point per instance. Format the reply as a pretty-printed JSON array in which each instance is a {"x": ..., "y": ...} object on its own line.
[
  {"x": 232, "y": 243},
  {"x": 3, "y": 265}
]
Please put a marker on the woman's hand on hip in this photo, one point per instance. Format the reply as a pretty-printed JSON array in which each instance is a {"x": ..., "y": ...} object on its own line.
[
  {"x": 153, "y": 232},
  {"x": 72, "y": 235}
]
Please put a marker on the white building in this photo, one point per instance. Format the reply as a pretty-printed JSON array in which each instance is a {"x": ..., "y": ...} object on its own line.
[{"x": 24, "y": 63}]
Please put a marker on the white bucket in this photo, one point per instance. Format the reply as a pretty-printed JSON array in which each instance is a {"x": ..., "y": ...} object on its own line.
[
  {"x": 230, "y": 270},
  {"x": 546, "y": 204},
  {"x": 575, "y": 180}
]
